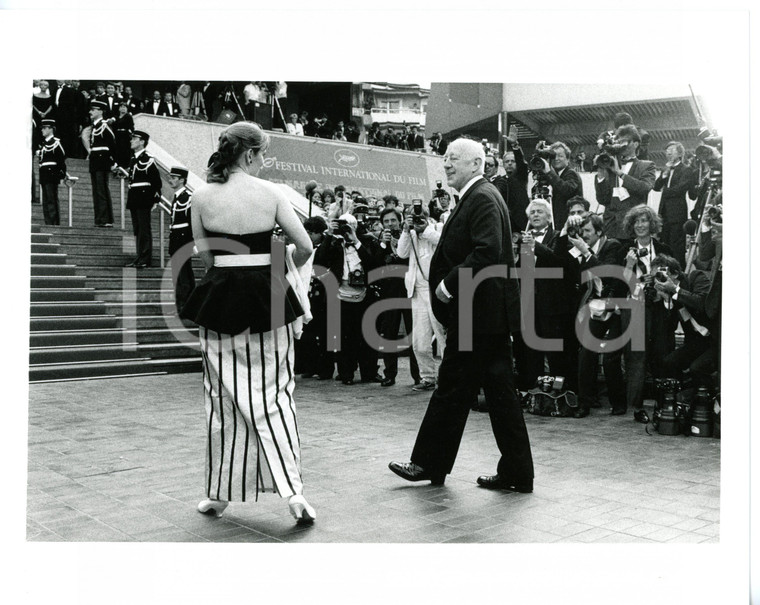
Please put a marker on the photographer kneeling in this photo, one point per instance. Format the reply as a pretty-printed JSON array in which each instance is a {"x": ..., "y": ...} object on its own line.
[
  {"x": 350, "y": 257},
  {"x": 418, "y": 241},
  {"x": 687, "y": 293}
]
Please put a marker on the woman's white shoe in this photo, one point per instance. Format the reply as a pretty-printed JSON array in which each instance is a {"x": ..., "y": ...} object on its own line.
[
  {"x": 301, "y": 511},
  {"x": 212, "y": 507}
]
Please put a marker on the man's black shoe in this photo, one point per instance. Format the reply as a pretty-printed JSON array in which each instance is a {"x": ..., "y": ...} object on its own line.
[
  {"x": 387, "y": 382},
  {"x": 375, "y": 378},
  {"x": 618, "y": 412},
  {"x": 132, "y": 264},
  {"x": 641, "y": 416},
  {"x": 412, "y": 472},
  {"x": 581, "y": 413},
  {"x": 496, "y": 482},
  {"x": 142, "y": 265}
]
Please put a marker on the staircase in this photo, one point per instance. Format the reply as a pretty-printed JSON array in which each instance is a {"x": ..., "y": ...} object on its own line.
[{"x": 90, "y": 317}]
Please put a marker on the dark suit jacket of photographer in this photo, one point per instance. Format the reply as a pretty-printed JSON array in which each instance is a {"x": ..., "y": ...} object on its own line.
[
  {"x": 564, "y": 186},
  {"x": 673, "y": 208},
  {"x": 552, "y": 296},
  {"x": 517, "y": 186},
  {"x": 476, "y": 236},
  {"x": 639, "y": 182},
  {"x": 330, "y": 254}
]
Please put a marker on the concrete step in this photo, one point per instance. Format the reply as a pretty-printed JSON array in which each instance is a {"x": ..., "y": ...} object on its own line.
[
  {"x": 72, "y": 322},
  {"x": 113, "y": 369},
  {"x": 111, "y": 352},
  {"x": 48, "y": 258},
  {"x": 52, "y": 270},
  {"x": 114, "y": 336},
  {"x": 53, "y": 309},
  {"x": 62, "y": 295},
  {"x": 57, "y": 281},
  {"x": 45, "y": 248},
  {"x": 140, "y": 309},
  {"x": 144, "y": 322},
  {"x": 144, "y": 295}
]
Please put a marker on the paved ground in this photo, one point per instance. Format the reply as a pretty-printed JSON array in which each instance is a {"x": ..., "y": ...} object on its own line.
[{"x": 122, "y": 460}]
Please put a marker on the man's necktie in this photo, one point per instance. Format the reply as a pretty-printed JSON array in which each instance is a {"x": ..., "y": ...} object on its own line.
[{"x": 537, "y": 233}]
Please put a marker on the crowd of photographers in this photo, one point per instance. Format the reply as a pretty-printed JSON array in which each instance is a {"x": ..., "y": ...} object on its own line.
[{"x": 647, "y": 278}]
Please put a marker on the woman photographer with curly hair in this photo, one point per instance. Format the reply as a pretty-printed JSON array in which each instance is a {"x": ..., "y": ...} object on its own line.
[
  {"x": 245, "y": 309},
  {"x": 642, "y": 224}
]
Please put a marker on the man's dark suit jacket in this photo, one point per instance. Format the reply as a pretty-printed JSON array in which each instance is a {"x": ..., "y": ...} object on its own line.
[
  {"x": 564, "y": 186},
  {"x": 162, "y": 109},
  {"x": 517, "y": 185},
  {"x": 500, "y": 182},
  {"x": 673, "y": 208},
  {"x": 552, "y": 296},
  {"x": 112, "y": 109},
  {"x": 639, "y": 182},
  {"x": 692, "y": 295},
  {"x": 476, "y": 236},
  {"x": 609, "y": 253}
]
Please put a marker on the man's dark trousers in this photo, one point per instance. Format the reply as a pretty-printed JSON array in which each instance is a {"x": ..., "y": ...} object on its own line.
[
  {"x": 460, "y": 376},
  {"x": 613, "y": 372},
  {"x": 101, "y": 198},
  {"x": 50, "y": 209},
  {"x": 141, "y": 227},
  {"x": 390, "y": 322}
]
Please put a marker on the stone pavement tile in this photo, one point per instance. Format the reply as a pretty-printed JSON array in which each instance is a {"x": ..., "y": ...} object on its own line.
[
  {"x": 618, "y": 538},
  {"x": 712, "y": 530},
  {"x": 689, "y": 538},
  {"x": 691, "y": 524},
  {"x": 170, "y": 535},
  {"x": 431, "y": 533},
  {"x": 642, "y": 529},
  {"x": 94, "y": 531},
  {"x": 54, "y": 513},
  {"x": 621, "y": 524},
  {"x": 131, "y": 521},
  {"x": 569, "y": 529},
  {"x": 665, "y": 534},
  {"x": 516, "y": 533},
  {"x": 592, "y": 535},
  {"x": 710, "y": 515}
]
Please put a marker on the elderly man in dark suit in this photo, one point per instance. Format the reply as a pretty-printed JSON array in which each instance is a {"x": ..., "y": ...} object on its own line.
[
  {"x": 626, "y": 183},
  {"x": 675, "y": 181},
  {"x": 475, "y": 238}
]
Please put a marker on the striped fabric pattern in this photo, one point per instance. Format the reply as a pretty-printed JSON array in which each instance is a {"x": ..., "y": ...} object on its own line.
[{"x": 252, "y": 435}]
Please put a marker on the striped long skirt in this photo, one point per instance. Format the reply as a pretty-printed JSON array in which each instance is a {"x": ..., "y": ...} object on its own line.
[{"x": 252, "y": 436}]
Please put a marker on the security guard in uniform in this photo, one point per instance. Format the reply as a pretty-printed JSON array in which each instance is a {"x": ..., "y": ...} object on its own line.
[
  {"x": 181, "y": 237},
  {"x": 52, "y": 170},
  {"x": 144, "y": 193},
  {"x": 102, "y": 145}
]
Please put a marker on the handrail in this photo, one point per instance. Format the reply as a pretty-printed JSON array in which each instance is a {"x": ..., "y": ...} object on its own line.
[
  {"x": 70, "y": 181},
  {"x": 122, "y": 174},
  {"x": 166, "y": 206}
]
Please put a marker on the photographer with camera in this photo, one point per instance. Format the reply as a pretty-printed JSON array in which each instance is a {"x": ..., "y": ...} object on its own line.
[
  {"x": 417, "y": 243},
  {"x": 516, "y": 169},
  {"x": 350, "y": 256},
  {"x": 552, "y": 303},
  {"x": 393, "y": 287},
  {"x": 590, "y": 248},
  {"x": 564, "y": 181},
  {"x": 622, "y": 181},
  {"x": 695, "y": 357},
  {"x": 675, "y": 180},
  {"x": 491, "y": 172},
  {"x": 641, "y": 223}
]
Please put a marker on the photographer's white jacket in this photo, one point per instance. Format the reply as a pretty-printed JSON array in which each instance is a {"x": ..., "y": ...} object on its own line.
[{"x": 425, "y": 245}]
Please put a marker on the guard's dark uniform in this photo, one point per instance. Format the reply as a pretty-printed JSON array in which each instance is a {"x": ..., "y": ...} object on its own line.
[
  {"x": 52, "y": 170},
  {"x": 181, "y": 234},
  {"x": 102, "y": 144},
  {"x": 144, "y": 192}
]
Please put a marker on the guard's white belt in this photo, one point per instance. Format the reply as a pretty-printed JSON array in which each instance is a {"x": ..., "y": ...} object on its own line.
[
  {"x": 133, "y": 185},
  {"x": 180, "y": 225},
  {"x": 49, "y": 164},
  {"x": 242, "y": 260},
  {"x": 100, "y": 149}
]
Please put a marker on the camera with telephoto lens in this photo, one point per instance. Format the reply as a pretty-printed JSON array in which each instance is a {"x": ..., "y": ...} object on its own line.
[
  {"x": 543, "y": 152},
  {"x": 573, "y": 231},
  {"x": 661, "y": 275},
  {"x": 609, "y": 147},
  {"x": 438, "y": 191}
]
